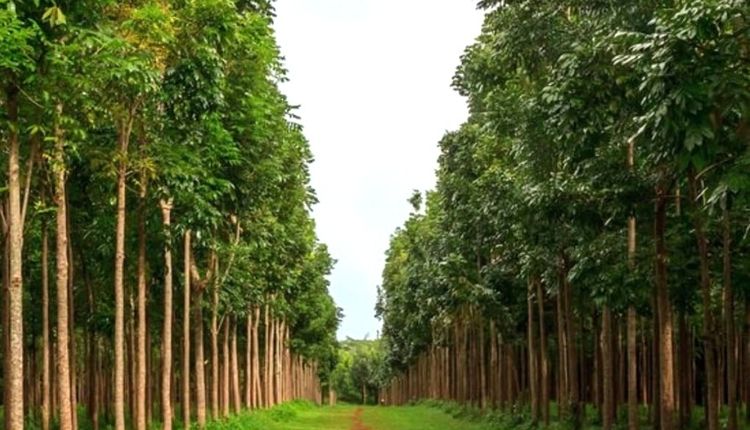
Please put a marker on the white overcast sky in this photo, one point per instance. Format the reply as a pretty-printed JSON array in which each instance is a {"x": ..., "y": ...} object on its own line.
[{"x": 373, "y": 79}]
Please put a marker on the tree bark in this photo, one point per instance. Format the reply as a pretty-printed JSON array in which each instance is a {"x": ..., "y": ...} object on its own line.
[
  {"x": 123, "y": 139},
  {"x": 63, "y": 357},
  {"x": 608, "y": 392},
  {"x": 142, "y": 351},
  {"x": 236, "y": 402},
  {"x": 215, "y": 351},
  {"x": 731, "y": 347},
  {"x": 709, "y": 325},
  {"x": 186, "y": 334},
  {"x": 532, "y": 355},
  {"x": 13, "y": 379},
  {"x": 46, "y": 363},
  {"x": 166, "y": 375},
  {"x": 632, "y": 322},
  {"x": 666, "y": 367},
  {"x": 200, "y": 370},
  {"x": 225, "y": 392}
]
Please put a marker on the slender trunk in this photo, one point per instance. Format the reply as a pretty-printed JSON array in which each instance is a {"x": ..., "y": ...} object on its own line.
[
  {"x": 63, "y": 360},
  {"x": 166, "y": 375},
  {"x": 71, "y": 327},
  {"x": 46, "y": 407},
  {"x": 200, "y": 370},
  {"x": 562, "y": 395},
  {"x": 236, "y": 403},
  {"x": 258, "y": 394},
  {"x": 225, "y": 369},
  {"x": 731, "y": 355},
  {"x": 685, "y": 364},
  {"x": 215, "y": 352},
  {"x": 13, "y": 378},
  {"x": 543, "y": 360},
  {"x": 124, "y": 128},
  {"x": 142, "y": 351},
  {"x": 249, "y": 361},
  {"x": 186, "y": 335},
  {"x": 632, "y": 323},
  {"x": 608, "y": 392},
  {"x": 533, "y": 367},
  {"x": 666, "y": 392},
  {"x": 709, "y": 330}
]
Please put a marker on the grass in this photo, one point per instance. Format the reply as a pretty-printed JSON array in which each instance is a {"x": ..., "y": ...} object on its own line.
[
  {"x": 428, "y": 415},
  {"x": 304, "y": 416}
]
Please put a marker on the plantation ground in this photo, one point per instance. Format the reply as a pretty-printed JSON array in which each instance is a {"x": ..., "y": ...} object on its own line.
[{"x": 306, "y": 417}]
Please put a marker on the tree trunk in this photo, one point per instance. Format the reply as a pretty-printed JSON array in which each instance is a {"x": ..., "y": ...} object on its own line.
[
  {"x": 200, "y": 370},
  {"x": 63, "y": 357},
  {"x": 13, "y": 378},
  {"x": 666, "y": 392},
  {"x": 632, "y": 322},
  {"x": 532, "y": 358},
  {"x": 731, "y": 355},
  {"x": 123, "y": 139},
  {"x": 236, "y": 403},
  {"x": 142, "y": 351},
  {"x": 608, "y": 392},
  {"x": 685, "y": 364},
  {"x": 166, "y": 375},
  {"x": 46, "y": 393},
  {"x": 258, "y": 393},
  {"x": 543, "y": 360},
  {"x": 709, "y": 330},
  {"x": 185, "y": 401},
  {"x": 249, "y": 363},
  {"x": 225, "y": 369},
  {"x": 215, "y": 352}
]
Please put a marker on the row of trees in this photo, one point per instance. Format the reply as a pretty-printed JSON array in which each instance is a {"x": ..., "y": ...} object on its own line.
[
  {"x": 359, "y": 372},
  {"x": 150, "y": 153},
  {"x": 586, "y": 242}
]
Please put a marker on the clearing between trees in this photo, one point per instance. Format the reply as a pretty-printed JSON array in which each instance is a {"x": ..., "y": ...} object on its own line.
[{"x": 305, "y": 416}]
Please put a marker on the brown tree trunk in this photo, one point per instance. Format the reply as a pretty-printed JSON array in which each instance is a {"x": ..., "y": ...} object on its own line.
[
  {"x": 225, "y": 369},
  {"x": 13, "y": 378},
  {"x": 709, "y": 330},
  {"x": 666, "y": 392},
  {"x": 532, "y": 358},
  {"x": 731, "y": 355},
  {"x": 142, "y": 351},
  {"x": 215, "y": 352},
  {"x": 236, "y": 403},
  {"x": 257, "y": 392},
  {"x": 249, "y": 363},
  {"x": 166, "y": 375},
  {"x": 200, "y": 372},
  {"x": 123, "y": 139},
  {"x": 63, "y": 357},
  {"x": 685, "y": 364},
  {"x": 543, "y": 360},
  {"x": 185, "y": 401},
  {"x": 46, "y": 393},
  {"x": 632, "y": 323},
  {"x": 608, "y": 392}
]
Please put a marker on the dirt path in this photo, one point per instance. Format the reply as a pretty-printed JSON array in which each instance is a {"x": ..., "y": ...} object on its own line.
[{"x": 357, "y": 423}]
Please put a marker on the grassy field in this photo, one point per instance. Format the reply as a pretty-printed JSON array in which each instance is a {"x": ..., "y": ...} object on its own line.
[{"x": 301, "y": 416}]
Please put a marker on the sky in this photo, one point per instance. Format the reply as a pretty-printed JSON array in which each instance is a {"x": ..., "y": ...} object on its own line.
[{"x": 372, "y": 79}]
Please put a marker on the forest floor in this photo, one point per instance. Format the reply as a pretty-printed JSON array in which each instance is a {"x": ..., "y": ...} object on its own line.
[{"x": 346, "y": 417}]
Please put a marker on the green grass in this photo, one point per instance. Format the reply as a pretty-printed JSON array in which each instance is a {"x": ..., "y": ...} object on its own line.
[
  {"x": 419, "y": 417},
  {"x": 428, "y": 415},
  {"x": 304, "y": 416}
]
